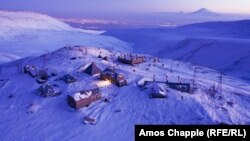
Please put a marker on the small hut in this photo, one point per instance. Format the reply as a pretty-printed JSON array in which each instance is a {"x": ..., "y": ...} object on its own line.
[
  {"x": 113, "y": 77},
  {"x": 47, "y": 90},
  {"x": 92, "y": 69},
  {"x": 84, "y": 98}
]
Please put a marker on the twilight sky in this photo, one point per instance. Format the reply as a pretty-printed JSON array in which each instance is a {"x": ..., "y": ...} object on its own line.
[{"x": 85, "y": 7}]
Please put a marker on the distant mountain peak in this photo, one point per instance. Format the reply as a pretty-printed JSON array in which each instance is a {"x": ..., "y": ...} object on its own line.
[{"x": 204, "y": 11}]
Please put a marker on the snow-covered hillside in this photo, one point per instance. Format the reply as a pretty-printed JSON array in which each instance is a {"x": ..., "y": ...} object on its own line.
[
  {"x": 25, "y": 34},
  {"x": 27, "y": 116},
  {"x": 223, "y": 46},
  {"x": 229, "y": 29},
  {"x": 16, "y": 23},
  {"x": 228, "y": 55}
]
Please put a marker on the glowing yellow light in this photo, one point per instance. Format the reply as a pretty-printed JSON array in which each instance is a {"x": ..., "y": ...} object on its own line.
[{"x": 103, "y": 83}]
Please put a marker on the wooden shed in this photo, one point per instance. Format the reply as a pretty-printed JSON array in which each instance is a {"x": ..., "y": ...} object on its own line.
[{"x": 84, "y": 98}]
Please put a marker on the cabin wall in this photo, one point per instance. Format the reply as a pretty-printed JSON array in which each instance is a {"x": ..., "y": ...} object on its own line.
[
  {"x": 113, "y": 79},
  {"x": 125, "y": 61},
  {"x": 138, "y": 60},
  {"x": 71, "y": 102},
  {"x": 83, "y": 102}
]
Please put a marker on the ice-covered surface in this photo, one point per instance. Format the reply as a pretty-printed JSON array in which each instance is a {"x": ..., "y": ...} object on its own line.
[
  {"x": 54, "y": 119},
  {"x": 24, "y": 34}
]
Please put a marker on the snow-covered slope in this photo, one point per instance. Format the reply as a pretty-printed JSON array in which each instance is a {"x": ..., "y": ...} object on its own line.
[
  {"x": 16, "y": 23},
  {"x": 25, "y": 34},
  {"x": 52, "y": 118},
  {"x": 220, "y": 45},
  {"x": 228, "y": 55},
  {"x": 229, "y": 29}
]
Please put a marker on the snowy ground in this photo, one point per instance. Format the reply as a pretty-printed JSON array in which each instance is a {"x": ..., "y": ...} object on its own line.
[{"x": 53, "y": 119}]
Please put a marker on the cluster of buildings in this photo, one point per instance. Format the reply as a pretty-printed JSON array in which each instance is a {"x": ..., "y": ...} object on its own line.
[
  {"x": 79, "y": 99},
  {"x": 89, "y": 95}
]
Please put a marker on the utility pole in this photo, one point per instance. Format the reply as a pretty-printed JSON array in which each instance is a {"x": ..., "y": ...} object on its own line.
[
  {"x": 219, "y": 87},
  {"x": 194, "y": 75}
]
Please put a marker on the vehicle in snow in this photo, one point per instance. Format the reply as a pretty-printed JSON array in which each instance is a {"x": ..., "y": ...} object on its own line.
[
  {"x": 114, "y": 77},
  {"x": 88, "y": 120},
  {"x": 84, "y": 98},
  {"x": 48, "y": 90},
  {"x": 31, "y": 70}
]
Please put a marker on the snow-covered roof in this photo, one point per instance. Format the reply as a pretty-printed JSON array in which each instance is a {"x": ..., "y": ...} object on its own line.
[
  {"x": 141, "y": 82},
  {"x": 78, "y": 96},
  {"x": 83, "y": 94},
  {"x": 157, "y": 88}
]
